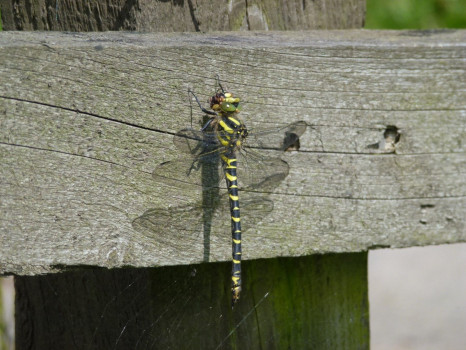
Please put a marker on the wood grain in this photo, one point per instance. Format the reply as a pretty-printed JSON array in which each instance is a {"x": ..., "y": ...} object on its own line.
[
  {"x": 86, "y": 118},
  {"x": 182, "y": 16},
  {"x": 310, "y": 302}
]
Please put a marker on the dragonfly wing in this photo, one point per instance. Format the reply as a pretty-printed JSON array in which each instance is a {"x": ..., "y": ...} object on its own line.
[
  {"x": 261, "y": 173},
  {"x": 277, "y": 138},
  {"x": 204, "y": 171},
  {"x": 200, "y": 165},
  {"x": 189, "y": 221},
  {"x": 195, "y": 142},
  {"x": 254, "y": 210},
  {"x": 154, "y": 221}
]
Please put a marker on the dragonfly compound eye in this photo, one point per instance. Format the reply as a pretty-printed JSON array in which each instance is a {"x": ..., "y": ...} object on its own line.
[{"x": 228, "y": 107}]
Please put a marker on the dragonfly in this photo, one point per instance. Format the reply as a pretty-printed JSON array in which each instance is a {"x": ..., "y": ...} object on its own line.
[{"x": 211, "y": 154}]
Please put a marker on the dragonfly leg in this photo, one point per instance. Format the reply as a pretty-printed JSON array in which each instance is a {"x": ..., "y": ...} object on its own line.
[
  {"x": 220, "y": 85},
  {"x": 200, "y": 106},
  {"x": 206, "y": 125}
]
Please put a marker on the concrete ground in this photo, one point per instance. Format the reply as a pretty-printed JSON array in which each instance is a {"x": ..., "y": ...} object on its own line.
[{"x": 417, "y": 298}]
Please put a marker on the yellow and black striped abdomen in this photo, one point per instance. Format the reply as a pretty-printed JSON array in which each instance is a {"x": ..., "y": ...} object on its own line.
[
  {"x": 229, "y": 162},
  {"x": 231, "y": 132}
]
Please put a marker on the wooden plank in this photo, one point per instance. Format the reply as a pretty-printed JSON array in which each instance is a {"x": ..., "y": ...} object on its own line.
[
  {"x": 86, "y": 118},
  {"x": 182, "y": 16},
  {"x": 315, "y": 302}
]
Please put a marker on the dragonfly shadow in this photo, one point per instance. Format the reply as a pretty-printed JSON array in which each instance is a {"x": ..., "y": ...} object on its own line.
[
  {"x": 185, "y": 221},
  {"x": 210, "y": 200}
]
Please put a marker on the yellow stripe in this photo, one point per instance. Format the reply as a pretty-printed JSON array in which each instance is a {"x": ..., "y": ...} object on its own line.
[
  {"x": 224, "y": 142},
  {"x": 236, "y": 261},
  {"x": 226, "y": 159},
  {"x": 235, "y": 279},
  {"x": 237, "y": 241},
  {"x": 233, "y": 186},
  {"x": 229, "y": 161},
  {"x": 235, "y": 219},
  {"x": 237, "y": 231},
  {"x": 234, "y": 120},
  {"x": 225, "y": 127},
  {"x": 231, "y": 99},
  {"x": 230, "y": 177},
  {"x": 234, "y": 198},
  {"x": 236, "y": 208}
]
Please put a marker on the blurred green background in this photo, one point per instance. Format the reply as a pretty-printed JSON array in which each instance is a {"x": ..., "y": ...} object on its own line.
[{"x": 415, "y": 14}]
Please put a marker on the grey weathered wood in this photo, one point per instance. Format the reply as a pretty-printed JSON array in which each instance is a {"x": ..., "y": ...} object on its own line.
[
  {"x": 182, "y": 16},
  {"x": 85, "y": 119}
]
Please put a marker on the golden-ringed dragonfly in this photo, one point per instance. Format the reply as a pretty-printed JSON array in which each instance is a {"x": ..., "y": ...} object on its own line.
[{"x": 213, "y": 153}]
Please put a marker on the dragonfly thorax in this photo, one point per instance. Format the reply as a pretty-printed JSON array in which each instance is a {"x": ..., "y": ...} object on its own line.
[{"x": 231, "y": 132}]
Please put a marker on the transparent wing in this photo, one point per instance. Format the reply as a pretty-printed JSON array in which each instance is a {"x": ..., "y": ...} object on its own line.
[
  {"x": 277, "y": 138},
  {"x": 258, "y": 172},
  {"x": 254, "y": 171},
  {"x": 203, "y": 171},
  {"x": 196, "y": 142},
  {"x": 200, "y": 164},
  {"x": 191, "y": 220}
]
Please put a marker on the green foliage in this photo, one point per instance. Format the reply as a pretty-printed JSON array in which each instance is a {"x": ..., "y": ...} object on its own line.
[{"x": 415, "y": 14}]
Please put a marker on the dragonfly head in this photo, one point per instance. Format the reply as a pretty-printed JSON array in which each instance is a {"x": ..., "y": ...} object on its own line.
[{"x": 225, "y": 103}]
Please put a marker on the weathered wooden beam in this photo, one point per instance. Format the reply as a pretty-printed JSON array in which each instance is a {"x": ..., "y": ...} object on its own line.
[
  {"x": 314, "y": 302},
  {"x": 182, "y": 16},
  {"x": 86, "y": 118}
]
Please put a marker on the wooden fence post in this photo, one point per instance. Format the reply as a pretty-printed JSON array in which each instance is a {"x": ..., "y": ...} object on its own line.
[{"x": 87, "y": 117}]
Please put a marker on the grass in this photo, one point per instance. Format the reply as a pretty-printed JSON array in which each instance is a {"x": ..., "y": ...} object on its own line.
[{"x": 415, "y": 14}]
